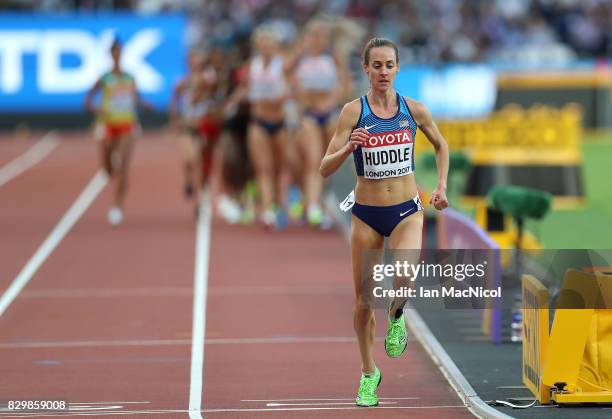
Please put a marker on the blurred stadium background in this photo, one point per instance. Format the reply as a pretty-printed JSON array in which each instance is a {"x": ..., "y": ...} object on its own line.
[{"x": 522, "y": 90}]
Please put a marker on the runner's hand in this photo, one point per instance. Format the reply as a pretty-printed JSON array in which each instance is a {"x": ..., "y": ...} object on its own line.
[
  {"x": 359, "y": 137},
  {"x": 438, "y": 198},
  {"x": 100, "y": 113}
]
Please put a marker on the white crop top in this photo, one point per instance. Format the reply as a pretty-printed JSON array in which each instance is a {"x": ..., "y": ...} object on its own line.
[
  {"x": 266, "y": 82},
  {"x": 317, "y": 72}
]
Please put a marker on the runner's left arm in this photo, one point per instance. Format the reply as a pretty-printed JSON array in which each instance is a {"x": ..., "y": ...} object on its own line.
[{"x": 140, "y": 102}]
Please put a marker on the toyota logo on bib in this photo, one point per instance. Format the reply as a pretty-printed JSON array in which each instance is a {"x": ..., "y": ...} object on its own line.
[{"x": 389, "y": 138}]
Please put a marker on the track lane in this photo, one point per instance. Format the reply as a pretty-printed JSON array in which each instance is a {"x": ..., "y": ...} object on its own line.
[
  {"x": 117, "y": 302},
  {"x": 298, "y": 302},
  {"x": 153, "y": 249},
  {"x": 34, "y": 202},
  {"x": 11, "y": 148}
]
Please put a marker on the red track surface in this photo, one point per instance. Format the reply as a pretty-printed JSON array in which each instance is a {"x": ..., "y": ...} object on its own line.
[{"x": 108, "y": 316}]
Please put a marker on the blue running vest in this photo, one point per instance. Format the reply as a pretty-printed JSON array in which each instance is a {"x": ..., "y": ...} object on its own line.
[{"x": 390, "y": 148}]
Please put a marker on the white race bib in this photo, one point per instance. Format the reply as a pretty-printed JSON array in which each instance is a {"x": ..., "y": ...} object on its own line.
[{"x": 387, "y": 155}]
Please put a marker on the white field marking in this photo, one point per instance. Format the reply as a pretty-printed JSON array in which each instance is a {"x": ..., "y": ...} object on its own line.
[
  {"x": 95, "y": 343},
  {"x": 284, "y": 409},
  {"x": 274, "y": 290},
  {"x": 96, "y": 413},
  {"x": 199, "y": 306},
  {"x": 448, "y": 368},
  {"x": 318, "y": 404},
  {"x": 328, "y": 400},
  {"x": 78, "y": 208},
  {"x": 29, "y": 159},
  {"x": 170, "y": 342},
  {"x": 88, "y": 408},
  {"x": 170, "y": 292},
  {"x": 92, "y": 403},
  {"x": 108, "y": 292},
  {"x": 281, "y": 339},
  {"x": 238, "y": 410}
]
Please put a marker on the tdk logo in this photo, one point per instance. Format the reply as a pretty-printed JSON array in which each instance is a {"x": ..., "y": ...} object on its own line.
[{"x": 48, "y": 46}]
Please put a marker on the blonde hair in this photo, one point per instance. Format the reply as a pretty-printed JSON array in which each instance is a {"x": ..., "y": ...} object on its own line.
[
  {"x": 320, "y": 20},
  {"x": 264, "y": 31}
]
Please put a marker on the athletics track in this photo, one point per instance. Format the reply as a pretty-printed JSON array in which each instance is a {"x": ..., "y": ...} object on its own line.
[{"x": 113, "y": 319}]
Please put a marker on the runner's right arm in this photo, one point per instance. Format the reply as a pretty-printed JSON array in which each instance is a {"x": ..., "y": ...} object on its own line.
[
  {"x": 239, "y": 94},
  {"x": 339, "y": 149},
  {"x": 140, "y": 102},
  {"x": 90, "y": 94},
  {"x": 173, "y": 106}
]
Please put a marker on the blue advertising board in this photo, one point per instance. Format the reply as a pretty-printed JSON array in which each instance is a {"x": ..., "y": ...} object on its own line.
[
  {"x": 48, "y": 62},
  {"x": 451, "y": 90}
]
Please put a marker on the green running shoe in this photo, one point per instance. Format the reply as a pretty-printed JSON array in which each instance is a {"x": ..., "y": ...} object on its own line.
[
  {"x": 397, "y": 338},
  {"x": 314, "y": 215},
  {"x": 366, "y": 396}
]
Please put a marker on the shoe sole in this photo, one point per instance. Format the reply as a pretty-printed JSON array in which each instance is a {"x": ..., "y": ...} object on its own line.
[{"x": 372, "y": 405}]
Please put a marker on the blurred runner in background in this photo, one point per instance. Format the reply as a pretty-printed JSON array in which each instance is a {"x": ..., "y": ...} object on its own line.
[
  {"x": 236, "y": 202},
  {"x": 266, "y": 89},
  {"x": 323, "y": 81},
  {"x": 191, "y": 111},
  {"x": 116, "y": 125}
]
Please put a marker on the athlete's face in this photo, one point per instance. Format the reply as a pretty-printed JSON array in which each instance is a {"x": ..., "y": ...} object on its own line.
[
  {"x": 382, "y": 67},
  {"x": 317, "y": 37},
  {"x": 116, "y": 53},
  {"x": 266, "y": 45},
  {"x": 196, "y": 61}
]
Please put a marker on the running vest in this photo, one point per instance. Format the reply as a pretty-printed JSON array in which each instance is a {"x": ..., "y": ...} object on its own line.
[
  {"x": 390, "y": 148},
  {"x": 196, "y": 110},
  {"x": 193, "y": 111},
  {"x": 317, "y": 72},
  {"x": 266, "y": 83},
  {"x": 118, "y": 98}
]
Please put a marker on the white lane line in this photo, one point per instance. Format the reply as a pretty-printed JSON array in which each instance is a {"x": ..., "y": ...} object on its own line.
[
  {"x": 448, "y": 368},
  {"x": 28, "y": 159},
  {"x": 95, "y": 343},
  {"x": 326, "y": 400},
  {"x": 285, "y": 409},
  {"x": 167, "y": 292},
  {"x": 228, "y": 410},
  {"x": 319, "y": 404},
  {"x": 199, "y": 306},
  {"x": 96, "y": 413},
  {"x": 169, "y": 342},
  {"x": 281, "y": 339},
  {"x": 62, "y": 228},
  {"x": 108, "y": 292},
  {"x": 88, "y": 408},
  {"x": 92, "y": 403}
]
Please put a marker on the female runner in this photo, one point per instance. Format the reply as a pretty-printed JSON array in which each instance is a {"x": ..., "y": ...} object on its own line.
[
  {"x": 379, "y": 130},
  {"x": 116, "y": 125}
]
